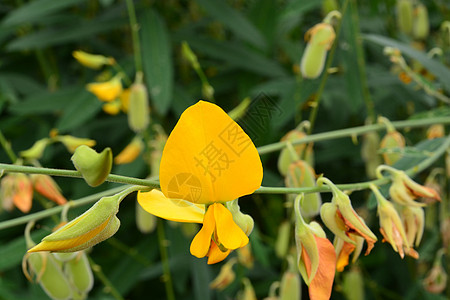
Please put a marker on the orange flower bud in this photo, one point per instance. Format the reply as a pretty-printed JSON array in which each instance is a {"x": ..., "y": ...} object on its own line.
[
  {"x": 48, "y": 188},
  {"x": 17, "y": 189}
]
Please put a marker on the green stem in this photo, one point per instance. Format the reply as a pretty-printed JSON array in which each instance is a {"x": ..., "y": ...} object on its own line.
[
  {"x": 70, "y": 173},
  {"x": 361, "y": 62},
  {"x": 354, "y": 131},
  {"x": 135, "y": 35},
  {"x": 57, "y": 209},
  {"x": 109, "y": 287},
  {"x": 7, "y": 147},
  {"x": 323, "y": 80},
  {"x": 167, "y": 278}
]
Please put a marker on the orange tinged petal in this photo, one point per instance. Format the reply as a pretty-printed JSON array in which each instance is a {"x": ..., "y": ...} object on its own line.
[
  {"x": 354, "y": 229},
  {"x": 176, "y": 210},
  {"x": 322, "y": 283},
  {"x": 202, "y": 241},
  {"x": 229, "y": 234},
  {"x": 216, "y": 255},
  {"x": 207, "y": 152},
  {"x": 343, "y": 257}
]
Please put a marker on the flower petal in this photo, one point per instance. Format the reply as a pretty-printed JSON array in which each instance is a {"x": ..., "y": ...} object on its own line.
[
  {"x": 216, "y": 255},
  {"x": 209, "y": 158},
  {"x": 177, "y": 210},
  {"x": 322, "y": 283},
  {"x": 229, "y": 234},
  {"x": 202, "y": 241},
  {"x": 343, "y": 257}
]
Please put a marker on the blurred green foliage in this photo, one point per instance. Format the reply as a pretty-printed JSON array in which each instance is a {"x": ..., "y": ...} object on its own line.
[{"x": 246, "y": 49}]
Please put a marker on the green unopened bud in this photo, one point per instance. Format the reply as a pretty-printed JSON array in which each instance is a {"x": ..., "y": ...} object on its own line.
[
  {"x": 290, "y": 287},
  {"x": 79, "y": 273},
  {"x": 301, "y": 174},
  {"x": 94, "y": 167},
  {"x": 320, "y": 38},
  {"x": 391, "y": 145},
  {"x": 244, "y": 221},
  {"x": 283, "y": 238},
  {"x": 405, "y": 16},
  {"x": 36, "y": 151},
  {"x": 145, "y": 221},
  {"x": 138, "y": 106},
  {"x": 353, "y": 285},
  {"x": 286, "y": 157},
  {"x": 421, "y": 26},
  {"x": 92, "y": 227},
  {"x": 369, "y": 153}
]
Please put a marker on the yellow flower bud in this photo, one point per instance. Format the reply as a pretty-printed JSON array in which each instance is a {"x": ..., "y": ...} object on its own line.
[
  {"x": 435, "y": 131},
  {"x": 94, "y": 167},
  {"x": 93, "y": 61},
  {"x": 106, "y": 91},
  {"x": 421, "y": 26},
  {"x": 405, "y": 16},
  {"x": 138, "y": 106},
  {"x": 36, "y": 151},
  {"x": 72, "y": 143},
  {"x": 125, "y": 100},
  {"x": 112, "y": 108},
  {"x": 320, "y": 38},
  {"x": 92, "y": 227},
  {"x": 130, "y": 152}
]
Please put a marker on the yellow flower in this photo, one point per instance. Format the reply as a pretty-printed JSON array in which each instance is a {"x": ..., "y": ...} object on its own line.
[
  {"x": 93, "y": 61},
  {"x": 130, "y": 152},
  {"x": 72, "y": 143},
  {"x": 106, "y": 91},
  {"x": 207, "y": 160}
]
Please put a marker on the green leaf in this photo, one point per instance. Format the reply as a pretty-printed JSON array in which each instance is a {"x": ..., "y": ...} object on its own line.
[
  {"x": 200, "y": 276},
  {"x": 35, "y": 10},
  {"x": 438, "y": 69},
  {"x": 82, "y": 108},
  {"x": 157, "y": 60},
  {"x": 237, "y": 55},
  {"x": 235, "y": 21}
]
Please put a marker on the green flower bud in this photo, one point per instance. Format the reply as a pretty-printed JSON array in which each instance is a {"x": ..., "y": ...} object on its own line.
[
  {"x": 391, "y": 144},
  {"x": 353, "y": 285},
  {"x": 320, "y": 38},
  {"x": 145, "y": 221},
  {"x": 421, "y": 26},
  {"x": 286, "y": 158},
  {"x": 369, "y": 153},
  {"x": 328, "y": 6},
  {"x": 283, "y": 238},
  {"x": 94, "y": 167},
  {"x": 405, "y": 16},
  {"x": 92, "y": 227},
  {"x": 138, "y": 107},
  {"x": 301, "y": 174},
  {"x": 290, "y": 287},
  {"x": 244, "y": 221},
  {"x": 36, "y": 151}
]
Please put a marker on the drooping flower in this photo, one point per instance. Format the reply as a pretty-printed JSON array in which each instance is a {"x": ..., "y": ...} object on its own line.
[
  {"x": 344, "y": 249},
  {"x": 316, "y": 257},
  {"x": 47, "y": 187},
  {"x": 391, "y": 226},
  {"x": 16, "y": 190},
  {"x": 340, "y": 217},
  {"x": 404, "y": 190},
  {"x": 207, "y": 160}
]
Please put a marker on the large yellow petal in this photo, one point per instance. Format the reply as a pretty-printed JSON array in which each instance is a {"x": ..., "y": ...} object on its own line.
[
  {"x": 229, "y": 234},
  {"x": 209, "y": 158},
  {"x": 202, "y": 241},
  {"x": 177, "y": 210}
]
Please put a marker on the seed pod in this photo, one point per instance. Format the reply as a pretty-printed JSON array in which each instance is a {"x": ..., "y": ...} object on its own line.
[
  {"x": 320, "y": 38},
  {"x": 301, "y": 174},
  {"x": 393, "y": 140},
  {"x": 405, "y": 16},
  {"x": 421, "y": 26},
  {"x": 138, "y": 107},
  {"x": 94, "y": 167},
  {"x": 79, "y": 273}
]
